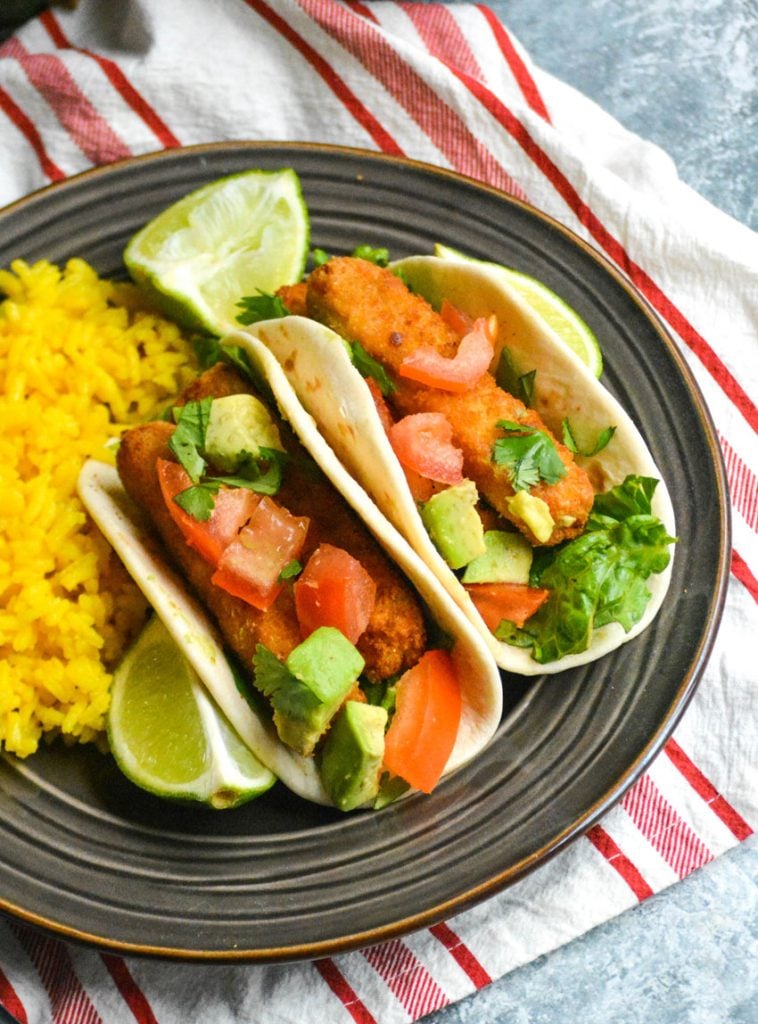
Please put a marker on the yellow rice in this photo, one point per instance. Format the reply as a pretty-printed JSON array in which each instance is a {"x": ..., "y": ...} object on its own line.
[{"x": 79, "y": 362}]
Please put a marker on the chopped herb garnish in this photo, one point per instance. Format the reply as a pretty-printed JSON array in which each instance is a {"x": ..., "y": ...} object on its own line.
[
  {"x": 289, "y": 696},
  {"x": 380, "y": 257},
  {"x": 262, "y": 306},
  {"x": 319, "y": 257},
  {"x": 197, "y": 501},
  {"x": 188, "y": 438},
  {"x": 369, "y": 367},
  {"x": 261, "y": 473},
  {"x": 291, "y": 570},
  {"x": 602, "y": 439},
  {"x": 528, "y": 454}
]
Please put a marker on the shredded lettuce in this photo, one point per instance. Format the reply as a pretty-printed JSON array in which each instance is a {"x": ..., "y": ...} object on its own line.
[{"x": 597, "y": 578}]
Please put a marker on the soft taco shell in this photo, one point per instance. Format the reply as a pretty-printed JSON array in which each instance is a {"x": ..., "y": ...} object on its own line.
[
  {"x": 131, "y": 537},
  {"x": 318, "y": 365}
]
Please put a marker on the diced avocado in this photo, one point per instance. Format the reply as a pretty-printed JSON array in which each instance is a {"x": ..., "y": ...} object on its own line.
[
  {"x": 508, "y": 559},
  {"x": 534, "y": 512},
  {"x": 453, "y": 523},
  {"x": 327, "y": 665},
  {"x": 238, "y": 424},
  {"x": 351, "y": 760}
]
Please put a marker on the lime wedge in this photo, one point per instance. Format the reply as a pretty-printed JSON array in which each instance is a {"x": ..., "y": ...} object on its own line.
[
  {"x": 169, "y": 737},
  {"x": 565, "y": 321},
  {"x": 242, "y": 234}
]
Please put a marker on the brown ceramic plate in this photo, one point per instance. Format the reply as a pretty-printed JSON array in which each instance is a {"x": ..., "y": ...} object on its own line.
[{"x": 90, "y": 857}]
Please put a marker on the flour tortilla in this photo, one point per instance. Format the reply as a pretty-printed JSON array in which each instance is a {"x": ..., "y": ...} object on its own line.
[
  {"x": 319, "y": 368},
  {"x": 127, "y": 530}
]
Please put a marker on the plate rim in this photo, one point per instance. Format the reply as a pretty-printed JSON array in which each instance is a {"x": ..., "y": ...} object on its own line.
[{"x": 475, "y": 894}]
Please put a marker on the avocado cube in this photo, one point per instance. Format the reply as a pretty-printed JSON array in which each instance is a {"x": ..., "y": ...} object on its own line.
[
  {"x": 238, "y": 424},
  {"x": 351, "y": 760},
  {"x": 534, "y": 512},
  {"x": 453, "y": 523},
  {"x": 508, "y": 559},
  {"x": 327, "y": 666}
]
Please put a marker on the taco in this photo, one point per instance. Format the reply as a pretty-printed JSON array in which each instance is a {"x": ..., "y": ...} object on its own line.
[
  {"x": 322, "y": 636},
  {"x": 514, "y": 474}
]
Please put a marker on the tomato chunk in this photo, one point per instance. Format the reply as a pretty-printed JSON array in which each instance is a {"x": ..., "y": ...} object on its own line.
[
  {"x": 460, "y": 322},
  {"x": 250, "y": 566},
  {"x": 515, "y": 602},
  {"x": 334, "y": 590},
  {"x": 423, "y": 444},
  {"x": 425, "y": 724},
  {"x": 232, "y": 507},
  {"x": 469, "y": 364}
]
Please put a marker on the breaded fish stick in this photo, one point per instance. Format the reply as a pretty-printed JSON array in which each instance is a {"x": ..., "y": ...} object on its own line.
[
  {"x": 395, "y": 637},
  {"x": 366, "y": 303}
]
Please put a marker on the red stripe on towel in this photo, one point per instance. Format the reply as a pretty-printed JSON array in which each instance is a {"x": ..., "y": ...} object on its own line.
[
  {"x": 343, "y": 991},
  {"x": 69, "y": 1001},
  {"x": 130, "y": 991},
  {"x": 407, "y": 978},
  {"x": 743, "y": 485},
  {"x": 10, "y": 1001},
  {"x": 118, "y": 80},
  {"x": 51, "y": 78},
  {"x": 741, "y": 571},
  {"x": 442, "y": 35},
  {"x": 446, "y": 129},
  {"x": 461, "y": 954},
  {"x": 618, "y": 860},
  {"x": 665, "y": 830},
  {"x": 32, "y": 136},
  {"x": 339, "y": 87},
  {"x": 652, "y": 292},
  {"x": 513, "y": 59},
  {"x": 705, "y": 789}
]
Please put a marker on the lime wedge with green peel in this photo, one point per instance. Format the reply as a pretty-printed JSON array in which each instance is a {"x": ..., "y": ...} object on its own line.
[
  {"x": 565, "y": 321},
  {"x": 237, "y": 236},
  {"x": 169, "y": 737}
]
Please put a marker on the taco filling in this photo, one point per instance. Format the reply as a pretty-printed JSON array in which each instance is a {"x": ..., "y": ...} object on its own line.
[
  {"x": 301, "y": 591},
  {"x": 510, "y": 507}
]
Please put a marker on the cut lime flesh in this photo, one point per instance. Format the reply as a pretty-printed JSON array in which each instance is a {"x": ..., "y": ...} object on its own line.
[
  {"x": 168, "y": 736},
  {"x": 564, "y": 321},
  {"x": 239, "y": 235}
]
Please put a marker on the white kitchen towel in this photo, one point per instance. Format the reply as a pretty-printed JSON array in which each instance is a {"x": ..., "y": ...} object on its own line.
[{"x": 447, "y": 84}]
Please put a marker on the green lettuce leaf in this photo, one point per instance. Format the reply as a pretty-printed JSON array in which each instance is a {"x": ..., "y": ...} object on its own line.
[{"x": 597, "y": 578}]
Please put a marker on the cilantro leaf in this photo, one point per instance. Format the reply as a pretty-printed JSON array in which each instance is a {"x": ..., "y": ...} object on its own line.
[
  {"x": 207, "y": 350},
  {"x": 380, "y": 257},
  {"x": 319, "y": 257},
  {"x": 289, "y": 696},
  {"x": 291, "y": 569},
  {"x": 188, "y": 439},
  {"x": 528, "y": 454},
  {"x": 262, "y": 306},
  {"x": 261, "y": 473},
  {"x": 602, "y": 439},
  {"x": 369, "y": 367},
  {"x": 197, "y": 501},
  {"x": 597, "y": 578}
]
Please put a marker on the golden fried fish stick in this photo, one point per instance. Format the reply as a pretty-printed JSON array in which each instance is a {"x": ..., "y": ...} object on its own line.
[
  {"x": 395, "y": 637},
  {"x": 369, "y": 304}
]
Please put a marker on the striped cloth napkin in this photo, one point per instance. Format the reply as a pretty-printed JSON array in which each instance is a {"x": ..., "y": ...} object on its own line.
[{"x": 451, "y": 86}]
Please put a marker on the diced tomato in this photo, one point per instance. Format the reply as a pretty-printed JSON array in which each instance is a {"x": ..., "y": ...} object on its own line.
[
  {"x": 423, "y": 444},
  {"x": 381, "y": 406},
  {"x": 334, "y": 590},
  {"x": 469, "y": 364},
  {"x": 232, "y": 507},
  {"x": 515, "y": 602},
  {"x": 250, "y": 566},
  {"x": 425, "y": 724},
  {"x": 455, "y": 318}
]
